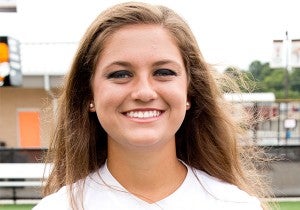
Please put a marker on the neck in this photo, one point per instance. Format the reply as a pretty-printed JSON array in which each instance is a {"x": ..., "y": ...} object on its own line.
[{"x": 150, "y": 174}]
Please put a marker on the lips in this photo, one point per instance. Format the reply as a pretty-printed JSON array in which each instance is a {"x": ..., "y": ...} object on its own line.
[{"x": 141, "y": 114}]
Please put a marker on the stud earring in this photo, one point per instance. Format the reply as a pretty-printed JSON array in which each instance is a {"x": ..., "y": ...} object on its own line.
[
  {"x": 92, "y": 107},
  {"x": 188, "y": 104}
]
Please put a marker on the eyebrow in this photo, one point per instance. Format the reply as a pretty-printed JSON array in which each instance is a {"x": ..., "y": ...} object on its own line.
[
  {"x": 118, "y": 63},
  {"x": 167, "y": 61},
  {"x": 155, "y": 64}
]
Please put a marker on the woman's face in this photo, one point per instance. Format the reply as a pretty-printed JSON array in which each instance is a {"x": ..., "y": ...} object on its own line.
[{"x": 140, "y": 87}]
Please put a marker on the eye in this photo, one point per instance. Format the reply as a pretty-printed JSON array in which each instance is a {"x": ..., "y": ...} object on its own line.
[
  {"x": 164, "y": 73},
  {"x": 121, "y": 74}
]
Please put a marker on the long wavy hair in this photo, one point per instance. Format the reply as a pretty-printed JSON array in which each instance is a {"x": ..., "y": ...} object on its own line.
[{"x": 209, "y": 138}]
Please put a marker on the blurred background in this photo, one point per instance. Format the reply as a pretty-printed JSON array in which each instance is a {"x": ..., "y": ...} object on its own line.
[{"x": 256, "y": 40}]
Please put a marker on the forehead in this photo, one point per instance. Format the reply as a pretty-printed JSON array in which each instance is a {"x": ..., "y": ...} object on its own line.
[
  {"x": 141, "y": 39},
  {"x": 147, "y": 32}
]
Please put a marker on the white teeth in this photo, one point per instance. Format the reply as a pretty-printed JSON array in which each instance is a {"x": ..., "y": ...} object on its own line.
[{"x": 143, "y": 114}]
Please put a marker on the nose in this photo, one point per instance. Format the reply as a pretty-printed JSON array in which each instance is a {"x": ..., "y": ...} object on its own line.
[{"x": 143, "y": 90}]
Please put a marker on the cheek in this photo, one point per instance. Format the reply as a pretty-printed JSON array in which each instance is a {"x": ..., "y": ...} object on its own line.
[
  {"x": 101, "y": 96},
  {"x": 107, "y": 96},
  {"x": 176, "y": 94}
]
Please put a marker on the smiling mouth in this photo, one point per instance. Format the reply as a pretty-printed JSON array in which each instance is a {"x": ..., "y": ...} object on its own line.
[{"x": 143, "y": 114}]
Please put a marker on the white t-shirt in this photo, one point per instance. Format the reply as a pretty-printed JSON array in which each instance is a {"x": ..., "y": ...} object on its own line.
[{"x": 198, "y": 191}]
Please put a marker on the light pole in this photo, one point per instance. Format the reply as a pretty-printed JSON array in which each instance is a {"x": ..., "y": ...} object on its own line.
[{"x": 287, "y": 67}]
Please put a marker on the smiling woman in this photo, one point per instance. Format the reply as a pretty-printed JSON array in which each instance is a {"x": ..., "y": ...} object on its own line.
[
  {"x": 143, "y": 125},
  {"x": 139, "y": 72}
]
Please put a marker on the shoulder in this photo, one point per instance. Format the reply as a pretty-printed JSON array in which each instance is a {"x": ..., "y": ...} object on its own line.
[
  {"x": 226, "y": 194},
  {"x": 91, "y": 187},
  {"x": 58, "y": 200}
]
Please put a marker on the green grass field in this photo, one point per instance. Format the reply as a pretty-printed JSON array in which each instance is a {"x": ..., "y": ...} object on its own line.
[
  {"x": 16, "y": 207},
  {"x": 289, "y": 205},
  {"x": 282, "y": 206}
]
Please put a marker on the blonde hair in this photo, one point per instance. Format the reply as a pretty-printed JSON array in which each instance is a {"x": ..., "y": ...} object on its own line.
[{"x": 208, "y": 138}]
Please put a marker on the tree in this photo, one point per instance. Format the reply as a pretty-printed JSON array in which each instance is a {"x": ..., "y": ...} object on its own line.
[
  {"x": 274, "y": 81},
  {"x": 260, "y": 70},
  {"x": 295, "y": 80},
  {"x": 260, "y": 77},
  {"x": 255, "y": 69}
]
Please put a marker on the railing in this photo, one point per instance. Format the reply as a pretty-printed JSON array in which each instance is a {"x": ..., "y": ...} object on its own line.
[
  {"x": 284, "y": 153},
  {"x": 14, "y": 161},
  {"x": 272, "y": 127},
  {"x": 21, "y": 173},
  {"x": 14, "y": 155}
]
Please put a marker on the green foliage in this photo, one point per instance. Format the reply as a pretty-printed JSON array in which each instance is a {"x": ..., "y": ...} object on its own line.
[
  {"x": 275, "y": 81},
  {"x": 295, "y": 79},
  {"x": 262, "y": 78},
  {"x": 259, "y": 70}
]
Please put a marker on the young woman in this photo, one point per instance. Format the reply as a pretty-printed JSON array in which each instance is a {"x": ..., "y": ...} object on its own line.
[{"x": 143, "y": 125}]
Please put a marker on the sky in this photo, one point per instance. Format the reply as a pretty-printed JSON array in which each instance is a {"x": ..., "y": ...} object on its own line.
[{"x": 229, "y": 32}]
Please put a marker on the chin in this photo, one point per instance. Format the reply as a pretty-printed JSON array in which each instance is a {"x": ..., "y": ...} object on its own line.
[
  {"x": 144, "y": 142},
  {"x": 149, "y": 143}
]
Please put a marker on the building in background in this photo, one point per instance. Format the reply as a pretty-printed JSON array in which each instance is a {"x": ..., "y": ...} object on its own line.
[
  {"x": 10, "y": 62},
  {"x": 26, "y": 112},
  {"x": 27, "y": 108}
]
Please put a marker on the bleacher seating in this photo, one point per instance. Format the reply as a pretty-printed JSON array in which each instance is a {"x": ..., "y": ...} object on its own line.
[{"x": 22, "y": 173}]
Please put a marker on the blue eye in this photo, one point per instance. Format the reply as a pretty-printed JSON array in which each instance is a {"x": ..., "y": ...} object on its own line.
[
  {"x": 121, "y": 74},
  {"x": 164, "y": 72}
]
